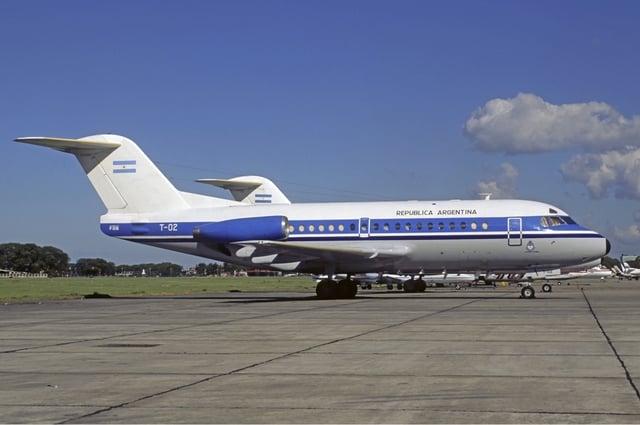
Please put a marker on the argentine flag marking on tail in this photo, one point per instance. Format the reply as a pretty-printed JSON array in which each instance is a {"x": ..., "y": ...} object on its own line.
[
  {"x": 128, "y": 166},
  {"x": 263, "y": 198}
]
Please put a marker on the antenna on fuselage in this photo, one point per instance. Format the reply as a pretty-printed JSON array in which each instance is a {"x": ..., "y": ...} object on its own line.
[{"x": 485, "y": 195}]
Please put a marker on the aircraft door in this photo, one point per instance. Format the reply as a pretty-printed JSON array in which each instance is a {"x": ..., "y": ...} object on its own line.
[
  {"x": 364, "y": 227},
  {"x": 514, "y": 231}
]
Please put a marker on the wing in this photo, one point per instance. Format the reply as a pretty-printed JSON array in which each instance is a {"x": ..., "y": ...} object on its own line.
[{"x": 291, "y": 256}]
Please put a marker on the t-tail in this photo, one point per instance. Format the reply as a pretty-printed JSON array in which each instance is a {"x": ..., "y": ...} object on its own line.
[{"x": 123, "y": 176}]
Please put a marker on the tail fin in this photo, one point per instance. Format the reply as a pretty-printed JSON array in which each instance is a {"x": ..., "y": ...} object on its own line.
[
  {"x": 124, "y": 177},
  {"x": 251, "y": 189}
]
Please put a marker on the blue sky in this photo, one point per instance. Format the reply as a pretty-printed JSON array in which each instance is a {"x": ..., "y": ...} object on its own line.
[{"x": 332, "y": 100}]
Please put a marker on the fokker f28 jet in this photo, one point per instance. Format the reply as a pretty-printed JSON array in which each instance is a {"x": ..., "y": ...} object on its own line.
[{"x": 402, "y": 237}]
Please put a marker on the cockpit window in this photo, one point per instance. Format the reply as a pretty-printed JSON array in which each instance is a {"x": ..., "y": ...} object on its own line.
[{"x": 554, "y": 220}]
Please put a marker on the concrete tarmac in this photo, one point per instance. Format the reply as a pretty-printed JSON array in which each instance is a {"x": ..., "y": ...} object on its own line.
[{"x": 443, "y": 356}]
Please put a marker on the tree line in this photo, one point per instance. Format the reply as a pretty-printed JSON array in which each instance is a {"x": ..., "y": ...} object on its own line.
[{"x": 32, "y": 258}]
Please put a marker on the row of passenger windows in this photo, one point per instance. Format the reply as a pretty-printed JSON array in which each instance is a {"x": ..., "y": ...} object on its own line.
[{"x": 387, "y": 227}]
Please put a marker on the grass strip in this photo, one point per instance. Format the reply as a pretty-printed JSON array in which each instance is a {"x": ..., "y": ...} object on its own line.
[{"x": 17, "y": 290}]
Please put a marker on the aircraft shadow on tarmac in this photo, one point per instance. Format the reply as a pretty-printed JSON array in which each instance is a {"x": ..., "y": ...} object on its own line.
[{"x": 253, "y": 297}]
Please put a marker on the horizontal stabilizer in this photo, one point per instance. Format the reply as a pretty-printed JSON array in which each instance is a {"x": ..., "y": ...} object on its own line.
[
  {"x": 231, "y": 184},
  {"x": 70, "y": 145}
]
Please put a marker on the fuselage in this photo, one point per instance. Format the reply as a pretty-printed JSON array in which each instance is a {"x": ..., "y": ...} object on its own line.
[{"x": 402, "y": 237}]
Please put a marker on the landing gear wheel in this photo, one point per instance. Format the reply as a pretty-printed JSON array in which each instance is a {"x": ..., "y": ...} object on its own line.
[
  {"x": 326, "y": 289},
  {"x": 346, "y": 289},
  {"x": 528, "y": 292},
  {"x": 546, "y": 288},
  {"x": 421, "y": 285},
  {"x": 410, "y": 286}
]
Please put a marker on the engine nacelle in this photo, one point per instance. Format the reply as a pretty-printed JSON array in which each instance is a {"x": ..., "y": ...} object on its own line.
[{"x": 273, "y": 228}]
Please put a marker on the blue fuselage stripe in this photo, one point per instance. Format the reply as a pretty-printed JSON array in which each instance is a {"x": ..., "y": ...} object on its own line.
[{"x": 393, "y": 229}]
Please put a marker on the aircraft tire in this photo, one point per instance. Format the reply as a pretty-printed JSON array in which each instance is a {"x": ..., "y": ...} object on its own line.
[
  {"x": 421, "y": 285},
  {"x": 528, "y": 292},
  {"x": 346, "y": 289},
  {"x": 326, "y": 289},
  {"x": 410, "y": 286},
  {"x": 546, "y": 288}
]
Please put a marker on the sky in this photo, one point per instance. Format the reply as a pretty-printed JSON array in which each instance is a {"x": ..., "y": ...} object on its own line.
[{"x": 332, "y": 100}]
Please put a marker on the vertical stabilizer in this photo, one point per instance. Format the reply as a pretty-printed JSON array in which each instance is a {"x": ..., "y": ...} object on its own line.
[
  {"x": 124, "y": 177},
  {"x": 251, "y": 190}
]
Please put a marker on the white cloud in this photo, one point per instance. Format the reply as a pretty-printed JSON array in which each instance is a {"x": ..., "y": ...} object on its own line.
[
  {"x": 503, "y": 186},
  {"x": 528, "y": 124},
  {"x": 616, "y": 172},
  {"x": 630, "y": 235}
]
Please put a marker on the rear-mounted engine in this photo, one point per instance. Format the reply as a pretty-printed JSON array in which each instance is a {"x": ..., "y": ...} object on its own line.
[{"x": 272, "y": 228}]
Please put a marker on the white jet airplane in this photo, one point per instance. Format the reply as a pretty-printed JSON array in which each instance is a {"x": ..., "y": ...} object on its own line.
[
  {"x": 401, "y": 237},
  {"x": 592, "y": 269},
  {"x": 625, "y": 271},
  {"x": 250, "y": 189}
]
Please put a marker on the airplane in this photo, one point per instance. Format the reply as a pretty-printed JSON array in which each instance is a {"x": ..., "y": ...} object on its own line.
[
  {"x": 402, "y": 237},
  {"x": 593, "y": 269},
  {"x": 625, "y": 271},
  {"x": 413, "y": 283},
  {"x": 408, "y": 283},
  {"x": 250, "y": 189}
]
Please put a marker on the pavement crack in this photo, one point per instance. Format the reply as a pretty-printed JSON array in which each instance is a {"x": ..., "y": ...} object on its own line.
[
  {"x": 612, "y": 346},
  {"x": 261, "y": 363}
]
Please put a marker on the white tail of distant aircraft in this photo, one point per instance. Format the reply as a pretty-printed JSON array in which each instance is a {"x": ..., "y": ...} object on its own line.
[
  {"x": 401, "y": 237},
  {"x": 250, "y": 189}
]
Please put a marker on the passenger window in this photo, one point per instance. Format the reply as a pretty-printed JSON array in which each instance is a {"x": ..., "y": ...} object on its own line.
[
  {"x": 440, "y": 226},
  {"x": 321, "y": 228},
  {"x": 352, "y": 227},
  {"x": 463, "y": 225},
  {"x": 485, "y": 225},
  {"x": 312, "y": 228},
  {"x": 332, "y": 228},
  {"x": 430, "y": 226},
  {"x": 376, "y": 227},
  {"x": 386, "y": 227},
  {"x": 407, "y": 226},
  {"x": 341, "y": 227},
  {"x": 452, "y": 225},
  {"x": 419, "y": 226},
  {"x": 474, "y": 225},
  {"x": 397, "y": 226},
  {"x": 301, "y": 228},
  {"x": 291, "y": 228}
]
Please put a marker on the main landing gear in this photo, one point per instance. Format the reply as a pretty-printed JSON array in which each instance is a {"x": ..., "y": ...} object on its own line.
[
  {"x": 528, "y": 292},
  {"x": 417, "y": 285},
  {"x": 328, "y": 289}
]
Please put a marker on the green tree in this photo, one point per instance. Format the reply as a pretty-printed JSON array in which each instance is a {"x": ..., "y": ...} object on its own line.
[
  {"x": 32, "y": 258},
  {"x": 95, "y": 267}
]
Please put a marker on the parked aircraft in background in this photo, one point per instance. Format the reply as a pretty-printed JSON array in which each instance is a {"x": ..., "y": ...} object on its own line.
[
  {"x": 593, "y": 269},
  {"x": 624, "y": 270},
  {"x": 408, "y": 283},
  {"x": 402, "y": 237},
  {"x": 252, "y": 190}
]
